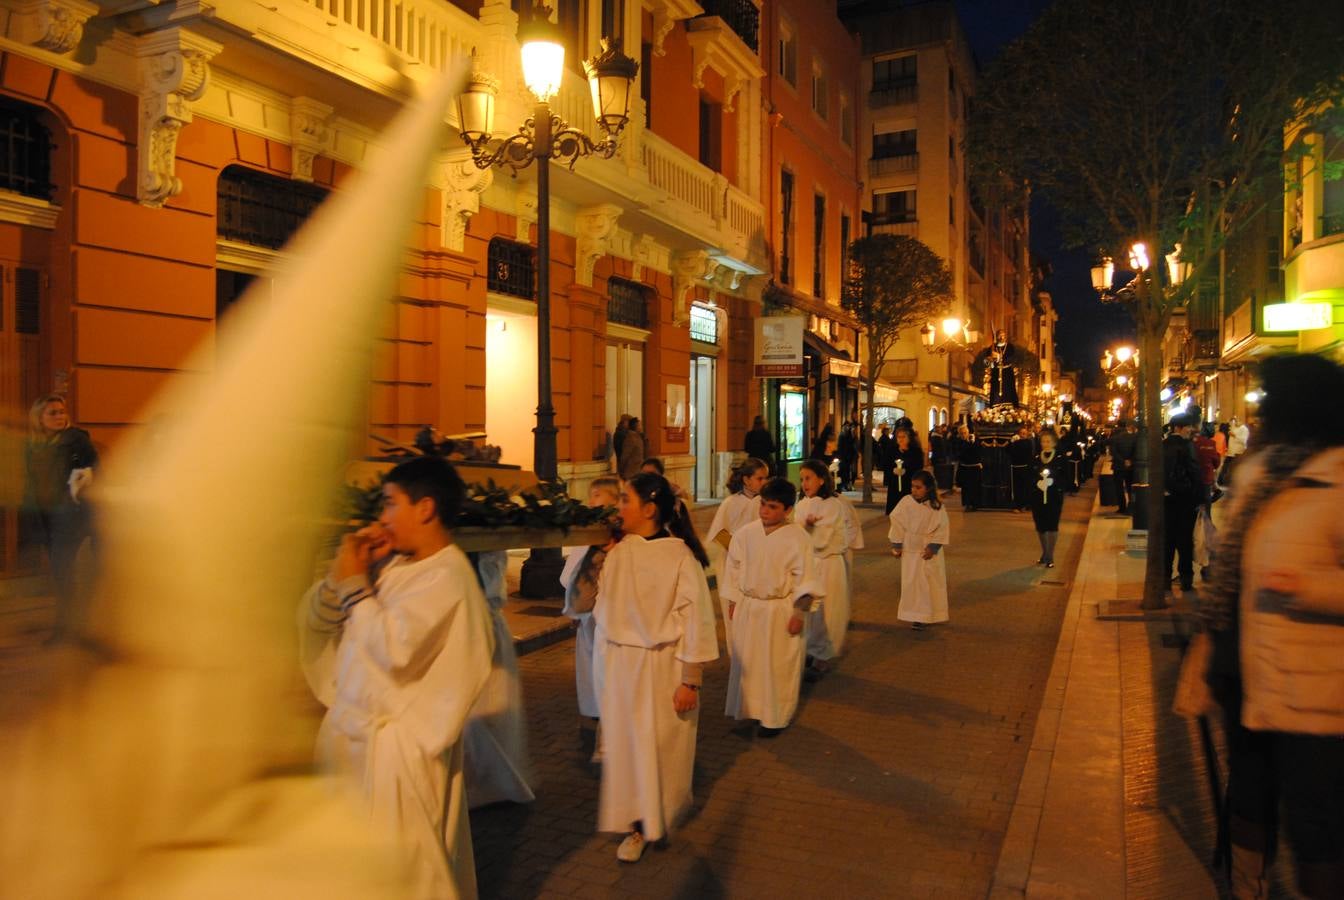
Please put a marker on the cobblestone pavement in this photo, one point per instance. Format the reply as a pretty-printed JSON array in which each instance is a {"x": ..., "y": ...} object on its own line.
[{"x": 895, "y": 779}]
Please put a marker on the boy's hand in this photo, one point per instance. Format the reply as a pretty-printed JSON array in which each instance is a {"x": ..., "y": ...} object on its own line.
[
  {"x": 360, "y": 551},
  {"x": 685, "y": 699},
  {"x": 812, "y": 520},
  {"x": 796, "y": 624},
  {"x": 928, "y": 553},
  {"x": 896, "y": 552}
]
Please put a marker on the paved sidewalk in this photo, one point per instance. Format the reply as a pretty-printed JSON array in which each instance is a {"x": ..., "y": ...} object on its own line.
[{"x": 1115, "y": 799}]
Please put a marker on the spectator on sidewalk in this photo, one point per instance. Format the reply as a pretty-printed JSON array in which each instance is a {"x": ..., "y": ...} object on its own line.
[
  {"x": 1276, "y": 618},
  {"x": 618, "y": 441},
  {"x": 1185, "y": 488},
  {"x": 1205, "y": 533},
  {"x": 1238, "y": 437},
  {"x": 920, "y": 521},
  {"x": 770, "y": 580},
  {"x": 59, "y": 461},
  {"x": 883, "y": 452},
  {"x": 760, "y": 444},
  {"x": 847, "y": 452},
  {"x": 1124, "y": 446},
  {"x": 632, "y": 454},
  {"x": 823, "y": 448}
]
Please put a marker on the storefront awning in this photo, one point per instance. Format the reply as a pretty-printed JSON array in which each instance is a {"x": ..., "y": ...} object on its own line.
[
  {"x": 823, "y": 346},
  {"x": 884, "y": 393}
]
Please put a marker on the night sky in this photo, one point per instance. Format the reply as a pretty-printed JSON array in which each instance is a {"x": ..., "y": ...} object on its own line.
[{"x": 1086, "y": 325}]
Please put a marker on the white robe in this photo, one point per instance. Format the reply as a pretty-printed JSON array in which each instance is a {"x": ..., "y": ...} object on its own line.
[
  {"x": 765, "y": 575},
  {"x": 495, "y": 742},
  {"x": 654, "y": 612},
  {"x": 855, "y": 538},
  {"x": 831, "y": 537},
  {"x": 585, "y": 685},
  {"x": 733, "y": 514},
  {"x": 399, "y": 680},
  {"x": 915, "y": 525}
]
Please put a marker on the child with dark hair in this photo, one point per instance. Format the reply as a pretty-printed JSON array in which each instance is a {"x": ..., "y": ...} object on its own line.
[
  {"x": 741, "y": 508},
  {"x": 769, "y": 580},
  {"x": 657, "y": 620},
  {"x": 829, "y": 525},
  {"x": 397, "y": 643},
  {"x": 920, "y": 521},
  {"x": 654, "y": 466}
]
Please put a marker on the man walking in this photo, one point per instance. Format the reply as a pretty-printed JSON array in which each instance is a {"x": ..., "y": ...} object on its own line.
[{"x": 1124, "y": 444}]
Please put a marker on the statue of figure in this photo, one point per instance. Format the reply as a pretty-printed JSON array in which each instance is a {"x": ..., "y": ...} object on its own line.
[{"x": 1002, "y": 359}]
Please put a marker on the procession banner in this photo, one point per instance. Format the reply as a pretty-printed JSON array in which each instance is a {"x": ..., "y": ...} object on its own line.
[{"x": 779, "y": 347}]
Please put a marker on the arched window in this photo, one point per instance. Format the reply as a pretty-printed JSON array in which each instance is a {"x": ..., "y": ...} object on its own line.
[
  {"x": 512, "y": 269},
  {"x": 25, "y": 150},
  {"x": 628, "y": 303},
  {"x": 263, "y": 210}
]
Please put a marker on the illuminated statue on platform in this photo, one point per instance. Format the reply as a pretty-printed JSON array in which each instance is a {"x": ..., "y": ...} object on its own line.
[{"x": 1000, "y": 360}]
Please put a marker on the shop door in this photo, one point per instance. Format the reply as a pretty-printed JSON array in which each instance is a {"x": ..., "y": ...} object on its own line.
[
  {"x": 793, "y": 431},
  {"x": 25, "y": 375},
  {"x": 702, "y": 424}
]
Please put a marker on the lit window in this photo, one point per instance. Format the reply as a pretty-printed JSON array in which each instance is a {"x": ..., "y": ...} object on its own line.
[
  {"x": 819, "y": 90},
  {"x": 787, "y": 53}
]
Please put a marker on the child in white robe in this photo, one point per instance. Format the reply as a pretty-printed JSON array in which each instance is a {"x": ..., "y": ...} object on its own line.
[
  {"x": 919, "y": 532},
  {"x": 769, "y": 582},
  {"x": 494, "y": 744},
  {"x": 740, "y": 509},
  {"x": 579, "y": 579},
  {"x": 398, "y": 660},
  {"x": 828, "y": 524},
  {"x": 655, "y": 614},
  {"x": 855, "y": 537}
]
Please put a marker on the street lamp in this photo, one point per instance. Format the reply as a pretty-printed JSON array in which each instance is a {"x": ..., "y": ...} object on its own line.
[
  {"x": 951, "y": 327},
  {"x": 542, "y": 137}
]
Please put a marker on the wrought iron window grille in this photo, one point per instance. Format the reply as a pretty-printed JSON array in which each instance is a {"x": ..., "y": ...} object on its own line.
[
  {"x": 627, "y": 303},
  {"x": 263, "y": 210},
  {"x": 25, "y": 151},
  {"x": 512, "y": 269}
]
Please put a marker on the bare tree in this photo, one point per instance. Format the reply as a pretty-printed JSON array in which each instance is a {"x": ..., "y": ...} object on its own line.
[
  {"x": 1158, "y": 122},
  {"x": 893, "y": 283}
]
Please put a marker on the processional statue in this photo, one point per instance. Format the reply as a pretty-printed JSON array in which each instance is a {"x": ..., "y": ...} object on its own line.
[{"x": 1001, "y": 360}]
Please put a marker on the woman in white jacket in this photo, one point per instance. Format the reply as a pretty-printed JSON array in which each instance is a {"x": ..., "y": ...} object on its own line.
[{"x": 1276, "y": 616}]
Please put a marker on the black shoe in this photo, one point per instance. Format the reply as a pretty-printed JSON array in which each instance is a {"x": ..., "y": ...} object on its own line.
[
  {"x": 769, "y": 732},
  {"x": 1187, "y": 587},
  {"x": 1050, "y": 564}
]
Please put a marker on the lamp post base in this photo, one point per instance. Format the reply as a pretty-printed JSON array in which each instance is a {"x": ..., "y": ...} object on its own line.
[
  {"x": 541, "y": 574},
  {"x": 1138, "y": 505}
]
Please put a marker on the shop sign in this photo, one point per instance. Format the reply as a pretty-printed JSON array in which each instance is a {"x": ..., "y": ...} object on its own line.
[
  {"x": 779, "y": 347},
  {"x": 844, "y": 368},
  {"x": 1298, "y": 316}
]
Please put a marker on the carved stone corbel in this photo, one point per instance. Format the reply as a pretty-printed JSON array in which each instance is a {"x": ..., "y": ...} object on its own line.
[
  {"x": 725, "y": 278},
  {"x": 55, "y": 25},
  {"x": 663, "y": 23},
  {"x": 689, "y": 269},
  {"x": 174, "y": 72},
  {"x": 525, "y": 206},
  {"x": 463, "y": 184},
  {"x": 641, "y": 256},
  {"x": 310, "y": 134},
  {"x": 594, "y": 227}
]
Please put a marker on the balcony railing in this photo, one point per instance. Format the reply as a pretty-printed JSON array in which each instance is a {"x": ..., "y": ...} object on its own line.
[
  {"x": 907, "y": 227},
  {"x": 676, "y": 173},
  {"x": 430, "y": 32},
  {"x": 1331, "y": 224},
  {"x": 1205, "y": 345},
  {"x": 886, "y": 165},
  {"x": 741, "y": 16},
  {"x": 893, "y": 93}
]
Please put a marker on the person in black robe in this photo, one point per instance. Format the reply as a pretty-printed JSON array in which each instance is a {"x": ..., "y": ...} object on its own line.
[
  {"x": 1020, "y": 452},
  {"x": 1047, "y": 496},
  {"x": 907, "y": 458},
  {"x": 970, "y": 469}
]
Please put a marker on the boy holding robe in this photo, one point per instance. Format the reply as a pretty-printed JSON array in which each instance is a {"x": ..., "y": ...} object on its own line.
[
  {"x": 919, "y": 532},
  {"x": 769, "y": 583},
  {"x": 397, "y": 643}
]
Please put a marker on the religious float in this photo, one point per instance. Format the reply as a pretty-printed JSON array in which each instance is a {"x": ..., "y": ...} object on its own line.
[{"x": 996, "y": 427}]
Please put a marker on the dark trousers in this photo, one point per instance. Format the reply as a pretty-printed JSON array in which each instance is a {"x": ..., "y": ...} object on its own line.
[
  {"x": 1124, "y": 486},
  {"x": 1180, "y": 537},
  {"x": 1298, "y": 776},
  {"x": 971, "y": 478}
]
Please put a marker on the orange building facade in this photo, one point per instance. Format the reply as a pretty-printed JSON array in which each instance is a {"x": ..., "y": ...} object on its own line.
[{"x": 183, "y": 147}]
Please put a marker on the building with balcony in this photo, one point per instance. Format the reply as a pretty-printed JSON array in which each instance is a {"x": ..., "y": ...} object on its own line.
[
  {"x": 916, "y": 82},
  {"x": 164, "y": 153},
  {"x": 1313, "y": 251}
]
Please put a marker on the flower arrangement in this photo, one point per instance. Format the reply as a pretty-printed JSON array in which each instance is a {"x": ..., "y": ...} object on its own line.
[
  {"x": 1004, "y": 415},
  {"x": 492, "y": 506}
]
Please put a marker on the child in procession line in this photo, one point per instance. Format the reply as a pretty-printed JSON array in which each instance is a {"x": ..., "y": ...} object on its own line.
[
  {"x": 769, "y": 580},
  {"x": 579, "y": 579},
  {"x": 397, "y": 643},
  {"x": 656, "y": 618},
  {"x": 741, "y": 508},
  {"x": 920, "y": 521},
  {"x": 828, "y": 524}
]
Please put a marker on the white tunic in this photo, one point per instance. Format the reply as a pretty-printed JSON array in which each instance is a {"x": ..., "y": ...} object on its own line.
[
  {"x": 585, "y": 685},
  {"x": 398, "y": 681},
  {"x": 831, "y": 536},
  {"x": 855, "y": 537},
  {"x": 732, "y": 516},
  {"x": 654, "y": 612},
  {"x": 765, "y": 575},
  {"x": 495, "y": 743},
  {"x": 915, "y": 525}
]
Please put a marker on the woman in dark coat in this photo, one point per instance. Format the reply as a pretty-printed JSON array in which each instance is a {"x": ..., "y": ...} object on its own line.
[
  {"x": 759, "y": 444},
  {"x": 823, "y": 448},
  {"x": 58, "y": 460},
  {"x": 907, "y": 458},
  {"x": 1047, "y": 496}
]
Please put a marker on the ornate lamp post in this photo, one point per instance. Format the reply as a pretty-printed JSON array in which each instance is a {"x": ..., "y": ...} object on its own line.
[
  {"x": 951, "y": 328},
  {"x": 543, "y": 137}
]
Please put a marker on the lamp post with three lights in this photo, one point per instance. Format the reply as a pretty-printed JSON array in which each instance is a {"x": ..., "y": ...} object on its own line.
[{"x": 955, "y": 336}]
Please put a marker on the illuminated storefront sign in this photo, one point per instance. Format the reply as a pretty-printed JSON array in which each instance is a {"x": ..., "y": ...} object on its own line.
[
  {"x": 1298, "y": 316},
  {"x": 779, "y": 347}
]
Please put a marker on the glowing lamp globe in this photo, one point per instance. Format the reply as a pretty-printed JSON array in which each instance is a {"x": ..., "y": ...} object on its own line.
[
  {"x": 611, "y": 74},
  {"x": 543, "y": 51},
  {"x": 1103, "y": 275},
  {"x": 476, "y": 105},
  {"x": 928, "y": 335},
  {"x": 1124, "y": 353},
  {"x": 1138, "y": 257},
  {"x": 951, "y": 326}
]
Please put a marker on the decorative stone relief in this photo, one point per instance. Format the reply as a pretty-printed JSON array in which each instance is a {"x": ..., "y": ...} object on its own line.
[
  {"x": 526, "y": 210},
  {"x": 725, "y": 278},
  {"x": 663, "y": 23},
  {"x": 310, "y": 134},
  {"x": 594, "y": 227},
  {"x": 689, "y": 268},
  {"x": 462, "y": 187},
  {"x": 174, "y": 71},
  {"x": 55, "y": 25},
  {"x": 641, "y": 256}
]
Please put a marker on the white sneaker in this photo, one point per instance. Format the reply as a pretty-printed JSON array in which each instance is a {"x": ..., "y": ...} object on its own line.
[{"x": 632, "y": 848}]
